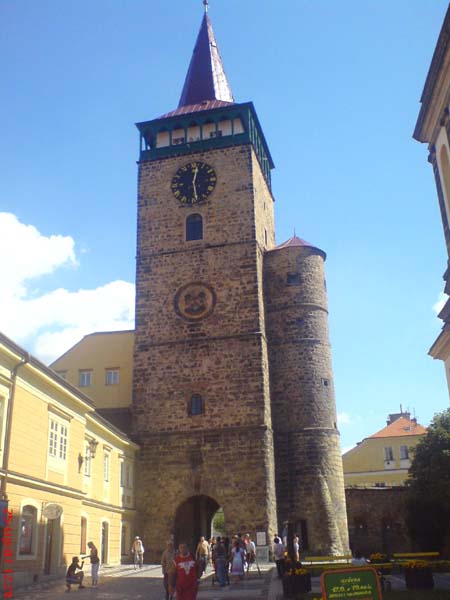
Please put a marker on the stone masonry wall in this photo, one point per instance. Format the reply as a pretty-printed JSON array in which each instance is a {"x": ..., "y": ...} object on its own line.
[
  {"x": 376, "y": 520},
  {"x": 200, "y": 331},
  {"x": 309, "y": 475}
]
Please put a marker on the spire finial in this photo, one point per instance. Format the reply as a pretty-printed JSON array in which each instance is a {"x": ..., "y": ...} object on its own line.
[
  {"x": 206, "y": 5},
  {"x": 294, "y": 232}
]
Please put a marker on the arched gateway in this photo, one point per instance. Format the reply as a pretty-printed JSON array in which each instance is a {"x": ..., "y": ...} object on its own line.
[{"x": 193, "y": 518}]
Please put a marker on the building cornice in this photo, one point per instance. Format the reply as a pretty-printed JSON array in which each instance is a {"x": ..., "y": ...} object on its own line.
[
  {"x": 437, "y": 84},
  {"x": 441, "y": 347}
]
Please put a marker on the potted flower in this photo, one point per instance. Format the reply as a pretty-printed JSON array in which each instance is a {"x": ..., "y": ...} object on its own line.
[
  {"x": 418, "y": 575},
  {"x": 377, "y": 558},
  {"x": 296, "y": 579},
  {"x": 302, "y": 580}
]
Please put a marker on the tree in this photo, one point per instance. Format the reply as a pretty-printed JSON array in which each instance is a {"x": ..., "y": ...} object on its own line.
[
  {"x": 428, "y": 505},
  {"x": 219, "y": 522}
]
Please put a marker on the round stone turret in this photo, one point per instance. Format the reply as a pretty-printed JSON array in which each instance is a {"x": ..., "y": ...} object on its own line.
[{"x": 309, "y": 475}]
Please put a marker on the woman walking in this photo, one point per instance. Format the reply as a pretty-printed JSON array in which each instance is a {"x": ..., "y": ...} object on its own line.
[{"x": 237, "y": 561}]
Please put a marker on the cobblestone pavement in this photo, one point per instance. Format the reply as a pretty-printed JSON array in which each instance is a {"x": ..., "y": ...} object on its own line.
[
  {"x": 146, "y": 584},
  {"x": 125, "y": 583}
]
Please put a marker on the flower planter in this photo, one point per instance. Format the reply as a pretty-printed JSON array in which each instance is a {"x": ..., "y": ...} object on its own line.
[
  {"x": 296, "y": 584},
  {"x": 419, "y": 579},
  {"x": 288, "y": 586},
  {"x": 302, "y": 583}
]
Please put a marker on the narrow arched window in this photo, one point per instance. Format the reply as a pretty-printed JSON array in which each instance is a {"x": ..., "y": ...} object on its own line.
[
  {"x": 194, "y": 227},
  {"x": 28, "y": 522},
  {"x": 196, "y": 405}
]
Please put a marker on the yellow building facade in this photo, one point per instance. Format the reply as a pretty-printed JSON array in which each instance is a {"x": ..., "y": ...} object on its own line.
[
  {"x": 101, "y": 364},
  {"x": 67, "y": 473},
  {"x": 383, "y": 459}
]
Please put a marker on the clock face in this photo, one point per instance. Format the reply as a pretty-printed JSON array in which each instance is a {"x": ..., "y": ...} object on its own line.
[{"x": 194, "y": 182}]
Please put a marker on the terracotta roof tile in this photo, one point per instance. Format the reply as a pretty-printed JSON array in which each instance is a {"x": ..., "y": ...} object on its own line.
[{"x": 401, "y": 427}]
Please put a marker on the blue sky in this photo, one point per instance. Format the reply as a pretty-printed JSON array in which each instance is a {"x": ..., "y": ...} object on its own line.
[{"x": 336, "y": 86}]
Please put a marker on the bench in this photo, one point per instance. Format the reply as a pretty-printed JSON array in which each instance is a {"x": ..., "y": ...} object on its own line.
[
  {"x": 317, "y": 564},
  {"x": 406, "y": 556},
  {"x": 316, "y": 560}
]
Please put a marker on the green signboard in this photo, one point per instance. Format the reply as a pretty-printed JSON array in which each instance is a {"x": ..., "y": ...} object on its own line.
[{"x": 360, "y": 583}]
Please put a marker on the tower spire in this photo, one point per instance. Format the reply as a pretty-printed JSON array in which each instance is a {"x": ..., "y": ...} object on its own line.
[{"x": 205, "y": 79}]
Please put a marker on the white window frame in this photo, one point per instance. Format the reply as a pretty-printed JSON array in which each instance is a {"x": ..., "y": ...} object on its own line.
[
  {"x": 87, "y": 459},
  {"x": 404, "y": 449},
  {"x": 388, "y": 454},
  {"x": 81, "y": 381},
  {"x": 57, "y": 442},
  {"x": 106, "y": 465},
  {"x": 112, "y": 376}
]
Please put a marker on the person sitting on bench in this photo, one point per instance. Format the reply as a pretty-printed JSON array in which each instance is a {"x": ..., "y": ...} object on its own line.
[{"x": 72, "y": 576}]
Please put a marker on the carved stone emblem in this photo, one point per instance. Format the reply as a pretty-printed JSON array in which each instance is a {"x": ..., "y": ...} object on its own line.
[{"x": 195, "y": 301}]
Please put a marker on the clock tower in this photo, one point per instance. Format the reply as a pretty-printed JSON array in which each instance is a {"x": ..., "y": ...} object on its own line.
[{"x": 202, "y": 407}]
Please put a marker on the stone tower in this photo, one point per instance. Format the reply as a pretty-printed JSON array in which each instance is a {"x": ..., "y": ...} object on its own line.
[
  {"x": 210, "y": 300},
  {"x": 309, "y": 474}
]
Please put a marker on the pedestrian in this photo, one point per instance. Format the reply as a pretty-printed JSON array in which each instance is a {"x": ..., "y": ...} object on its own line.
[
  {"x": 359, "y": 560},
  {"x": 202, "y": 555},
  {"x": 278, "y": 552},
  {"x": 237, "y": 561},
  {"x": 220, "y": 562},
  {"x": 95, "y": 563},
  {"x": 296, "y": 543},
  {"x": 72, "y": 576},
  {"x": 137, "y": 549},
  {"x": 186, "y": 585},
  {"x": 167, "y": 559},
  {"x": 250, "y": 550}
]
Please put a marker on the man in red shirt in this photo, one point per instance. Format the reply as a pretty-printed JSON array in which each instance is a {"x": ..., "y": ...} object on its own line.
[{"x": 186, "y": 574}]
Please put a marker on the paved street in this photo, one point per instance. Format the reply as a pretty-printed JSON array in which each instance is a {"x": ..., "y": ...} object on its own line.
[{"x": 146, "y": 584}]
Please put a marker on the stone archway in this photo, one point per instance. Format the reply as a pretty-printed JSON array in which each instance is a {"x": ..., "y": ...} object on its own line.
[{"x": 193, "y": 519}]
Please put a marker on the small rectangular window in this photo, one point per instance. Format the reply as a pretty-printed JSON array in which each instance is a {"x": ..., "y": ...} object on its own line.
[
  {"x": 106, "y": 466},
  {"x": 53, "y": 438},
  {"x": 196, "y": 405},
  {"x": 62, "y": 442},
  {"x": 293, "y": 279},
  {"x": 404, "y": 452},
  {"x": 87, "y": 460},
  {"x": 112, "y": 376},
  {"x": 57, "y": 440},
  {"x": 85, "y": 378},
  {"x": 388, "y": 454},
  {"x": 62, "y": 374}
]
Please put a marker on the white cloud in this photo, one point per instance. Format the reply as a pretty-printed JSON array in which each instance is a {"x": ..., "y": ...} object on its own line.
[
  {"x": 439, "y": 304},
  {"x": 49, "y": 323}
]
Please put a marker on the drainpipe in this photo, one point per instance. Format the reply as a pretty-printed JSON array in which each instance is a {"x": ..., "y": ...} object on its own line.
[{"x": 9, "y": 414}]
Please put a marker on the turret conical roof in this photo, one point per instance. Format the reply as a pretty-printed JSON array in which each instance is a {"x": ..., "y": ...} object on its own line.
[{"x": 205, "y": 79}]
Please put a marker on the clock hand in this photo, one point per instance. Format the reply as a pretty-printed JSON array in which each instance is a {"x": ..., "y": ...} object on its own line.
[{"x": 193, "y": 183}]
